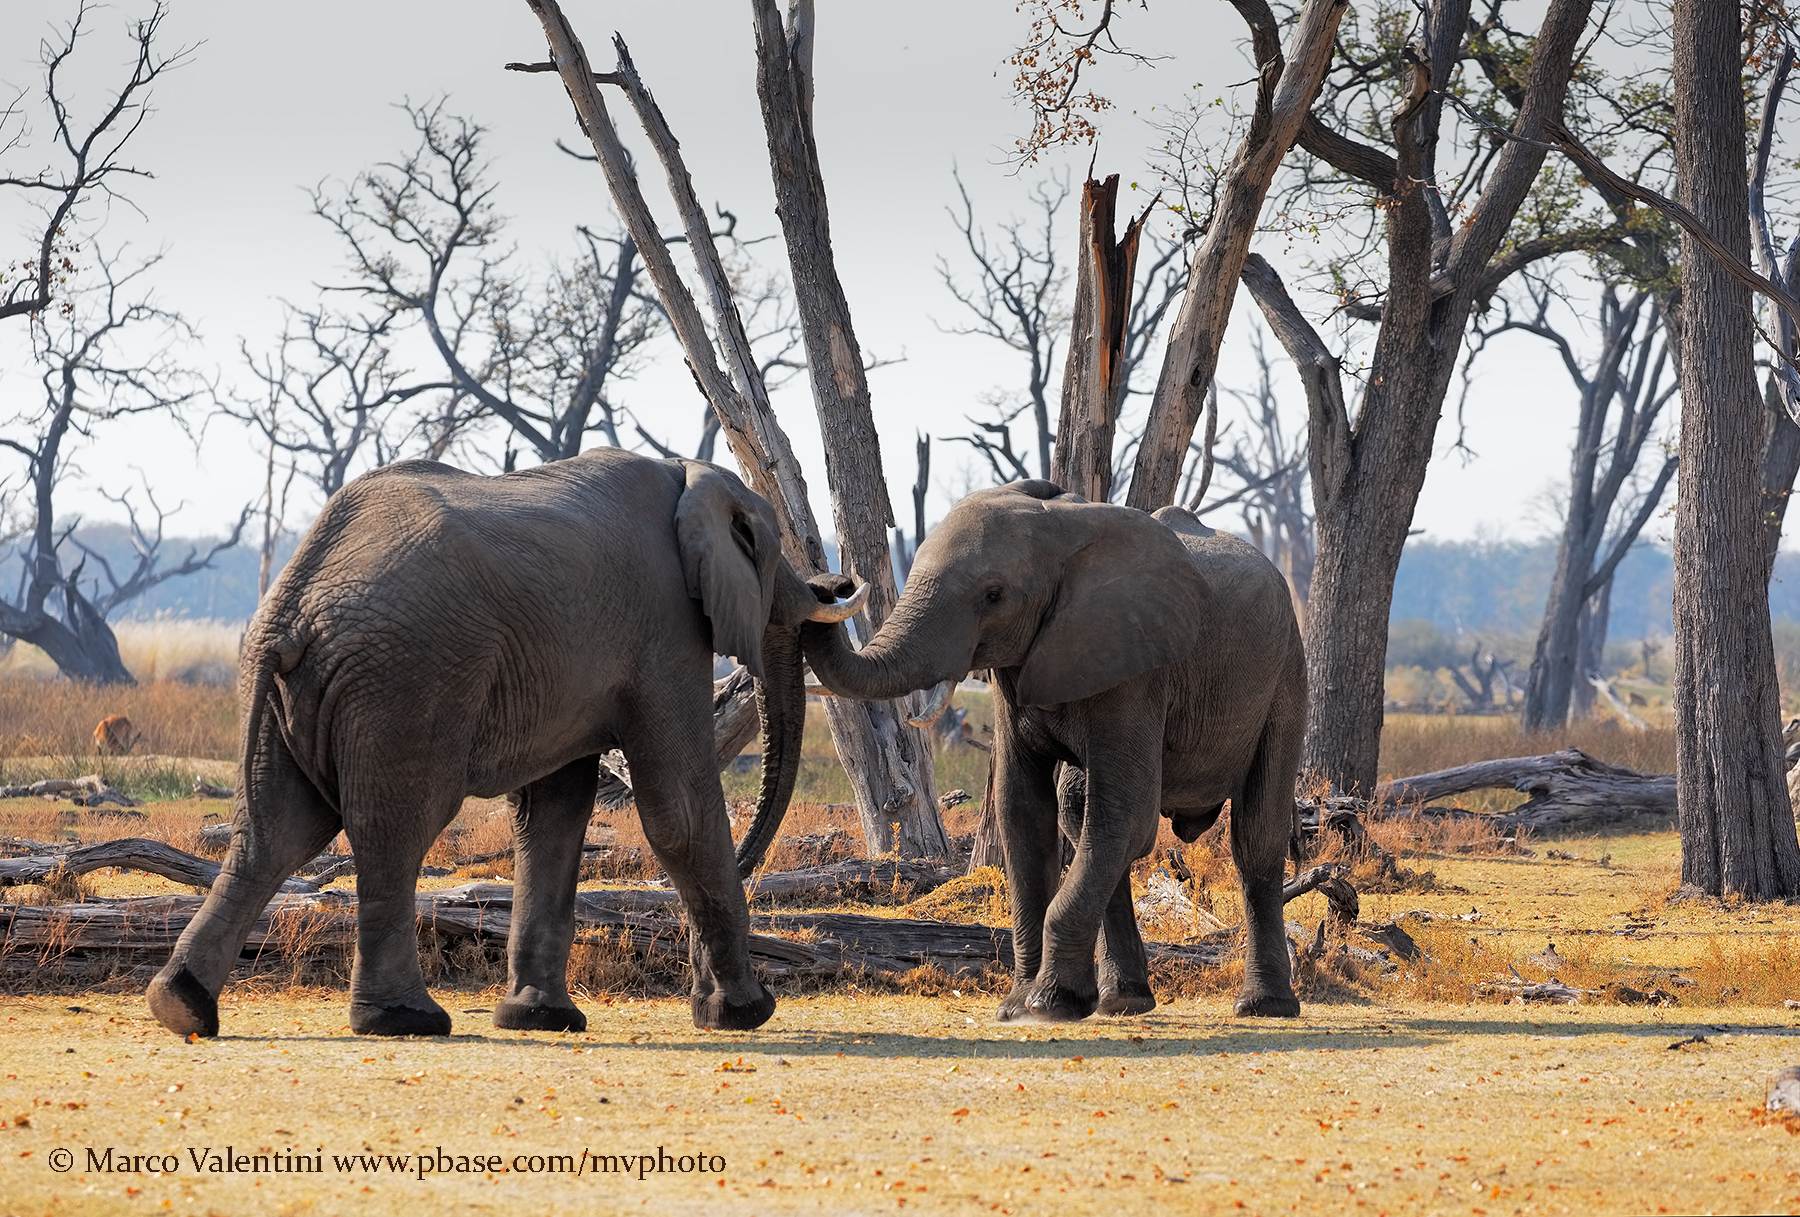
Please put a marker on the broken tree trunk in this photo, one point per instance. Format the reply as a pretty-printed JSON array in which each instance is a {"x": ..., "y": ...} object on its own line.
[
  {"x": 887, "y": 759},
  {"x": 1094, "y": 376},
  {"x": 1568, "y": 789}
]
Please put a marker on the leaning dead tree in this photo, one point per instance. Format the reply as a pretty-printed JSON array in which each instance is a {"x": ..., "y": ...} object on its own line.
[
  {"x": 886, "y": 758},
  {"x": 91, "y": 376}
]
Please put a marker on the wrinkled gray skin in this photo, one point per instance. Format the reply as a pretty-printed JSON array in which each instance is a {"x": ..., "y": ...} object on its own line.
[
  {"x": 1143, "y": 664},
  {"x": 439, "y": 634}
]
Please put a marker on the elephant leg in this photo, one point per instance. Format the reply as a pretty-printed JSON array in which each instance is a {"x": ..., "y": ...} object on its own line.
[
  {"x": 390, "y": 825},
  {"x": 1026, "y": 798},
  {"x": 682, "y": 806},
  {"x": 549, "y": 821},
  {"x": 1124, "y": 785},
  {"x": 1124, "y": 967},
  {"x": 280, "y": 822},
  {"x": 1261, "y": 824}
]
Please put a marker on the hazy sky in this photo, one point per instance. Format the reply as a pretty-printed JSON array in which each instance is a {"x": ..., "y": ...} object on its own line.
[{"x": 279, "y": 98}]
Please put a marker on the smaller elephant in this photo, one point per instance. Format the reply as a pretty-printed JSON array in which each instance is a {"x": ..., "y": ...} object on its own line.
[
  {"x": 438, "y": 635},
  {"x": 1142, "y": 665}
]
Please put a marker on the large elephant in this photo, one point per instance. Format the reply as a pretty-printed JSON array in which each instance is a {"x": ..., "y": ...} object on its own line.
[
  {"x": 438, "y": 634},
  {"x": 1159, "y": 664}
]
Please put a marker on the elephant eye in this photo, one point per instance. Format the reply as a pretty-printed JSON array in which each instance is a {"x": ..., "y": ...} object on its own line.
[{"x": 994, "y": 594}]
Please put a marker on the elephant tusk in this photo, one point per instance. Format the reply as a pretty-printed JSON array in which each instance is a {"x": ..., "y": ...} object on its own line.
[
  {"x": 934, "y": 705},
  {"x": 830, "y": 614},
  {"x": 819, "y": 691}
]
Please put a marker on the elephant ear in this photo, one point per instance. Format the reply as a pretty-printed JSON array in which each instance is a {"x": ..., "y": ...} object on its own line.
[
  {"x": 729, "y": 554},
  {"x": 1130, "y": 599}
]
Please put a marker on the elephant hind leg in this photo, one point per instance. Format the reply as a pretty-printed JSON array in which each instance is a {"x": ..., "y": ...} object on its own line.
[
  {"x": 280, "y": 822},
  {"x": 391, "y": 823},
  {"x": 549, "y": 821},
  {"x": 682, "y": 808},
  {"x": 1259, "y": 843},
  {"x": 1124, "y": 966}
]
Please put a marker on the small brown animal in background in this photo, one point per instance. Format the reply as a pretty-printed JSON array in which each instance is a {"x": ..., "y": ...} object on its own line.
[{"x": 115, "y": 736}]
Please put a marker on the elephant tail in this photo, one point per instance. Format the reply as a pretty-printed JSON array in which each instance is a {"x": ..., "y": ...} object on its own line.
[{"x": 781, "y": 704}]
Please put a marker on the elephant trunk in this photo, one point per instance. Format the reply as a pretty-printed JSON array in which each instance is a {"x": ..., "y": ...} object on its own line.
[
  {"x": 907, "y": 654},
  {"x": 781, "y": 706}
]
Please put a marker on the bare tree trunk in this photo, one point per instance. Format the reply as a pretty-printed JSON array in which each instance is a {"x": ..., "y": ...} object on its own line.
[
  {"x": 1781, "y": 456},
  {"x": 1095, "y": 375},
  {"x": 1737, "y": 825},
  {"x": 1283, "y": 100},
  {"x": 887, "y": 759},
  {"x": 1590, "y": 650}
]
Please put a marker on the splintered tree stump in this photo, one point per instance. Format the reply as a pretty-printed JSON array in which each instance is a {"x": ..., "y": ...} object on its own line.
[{"x": 1329, "y": 879}]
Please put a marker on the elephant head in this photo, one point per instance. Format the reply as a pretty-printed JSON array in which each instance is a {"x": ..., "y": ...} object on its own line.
[
  {"x": 731, "y": 556},
  {"x": 1077, "y": 597}
]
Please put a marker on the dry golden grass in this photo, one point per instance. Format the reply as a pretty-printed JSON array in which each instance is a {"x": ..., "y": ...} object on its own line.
[
  {"x": 56, "y": 718},
  {"x": 1422, "y": 743}
]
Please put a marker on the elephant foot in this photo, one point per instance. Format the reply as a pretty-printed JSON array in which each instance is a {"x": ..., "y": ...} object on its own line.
[
  {"x": 716, "y": 1011},
  {"x": 1127, "y": 998},
  {"x": 367, "y": 1018},
  {"x": 1039, "y": 1002},
  {"x": 1264, "y": 1004},
  {"x": 524, "y": 1013},
  {"x": 181, "y": 1003}
]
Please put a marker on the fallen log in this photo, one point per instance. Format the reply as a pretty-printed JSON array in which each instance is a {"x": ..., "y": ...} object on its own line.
[
  {"x": 1569, "y": 789},
  {"x": 91, "y": 790},
  {"x": 146, "y": 928},
  {"x": 138, "y": 853}
]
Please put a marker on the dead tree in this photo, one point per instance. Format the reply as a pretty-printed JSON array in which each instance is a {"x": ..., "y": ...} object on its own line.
[
  {"x": 904, "y": 551},
  {"x": 888, "y": 760},
  {"x": 91, "y": 375},
  {"x": 1020, "y": 298},
  {"x": 91, "y": 152},
  {"x": 329, "y": 391},
  {"x": 1599, "y": 525},
  {"x": 1269, "y": 468},
  {"x": 1737, "y": 827},
  {"x": 1781, "y": 396},
  {"x": 879, "y": 758},
  {"x": 426, "y": 246}
]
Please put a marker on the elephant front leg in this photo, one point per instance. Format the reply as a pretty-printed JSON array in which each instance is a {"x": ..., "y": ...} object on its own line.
[
  {"x": 1124, "y": 966},
  {"x": 682, "y": 807},
  {"x": 549, "y": 821},
  {"x": 1123, "y": 768},
  {"x": 1026, "y": 808}
]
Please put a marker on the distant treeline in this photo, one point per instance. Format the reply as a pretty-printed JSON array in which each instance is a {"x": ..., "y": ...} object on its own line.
[
  {"x": 1500, "y": 586},
  {"x": 1495, "y": 587}
]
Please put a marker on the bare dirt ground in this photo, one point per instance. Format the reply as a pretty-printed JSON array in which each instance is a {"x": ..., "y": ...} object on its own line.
[{"x": 851, "y": 1104}]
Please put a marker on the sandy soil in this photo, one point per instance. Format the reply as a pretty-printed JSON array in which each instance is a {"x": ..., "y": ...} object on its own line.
[{"x": 897, "y": 1104}]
